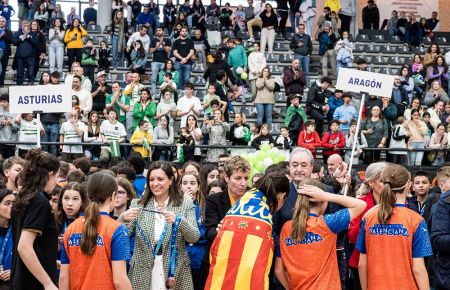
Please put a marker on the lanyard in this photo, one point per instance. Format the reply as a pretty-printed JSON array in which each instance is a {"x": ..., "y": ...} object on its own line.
[
  {"x": 5, "y": 242},
  {"x": 173, "y": 247},
  {"x": 173, "y": 242}
]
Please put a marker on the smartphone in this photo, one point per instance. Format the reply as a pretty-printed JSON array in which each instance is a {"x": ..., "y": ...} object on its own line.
[{"x": 210, "y": 117}]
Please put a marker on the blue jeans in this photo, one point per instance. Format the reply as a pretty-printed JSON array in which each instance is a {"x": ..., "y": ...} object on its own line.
[
  {"x": 305, "y": 60},
  {"x": 4, "y": 62},
  {"x": 295, "y": 20},
  {"x": 156, "y": 68},
  {"x": 22, "y": 63},
  {"x": 117, "y": 56},
  {"x": 415, "y": 157},
  {"x": 340, "y": 64},
  {"x": 184, "y": 70},
  {"x": 51, "y": 135},
  {"x": 264, "y": 110}
]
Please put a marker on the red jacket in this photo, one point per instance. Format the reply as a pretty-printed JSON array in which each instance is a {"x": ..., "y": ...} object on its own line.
[
  {"x": 309, "y": 141},
  {"x": 355, "y": 227},
  {"x": 329, "y": 140}
]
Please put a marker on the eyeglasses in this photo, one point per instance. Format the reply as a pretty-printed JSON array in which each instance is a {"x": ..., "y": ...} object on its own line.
[{"x": 121, "y": 193}]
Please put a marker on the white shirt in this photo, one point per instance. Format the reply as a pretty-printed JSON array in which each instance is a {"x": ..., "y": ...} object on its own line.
[
  {"x": 184, "y": 104},
  {"x": 112, "y": 132},
  {"x": 85, "y": 98},
  {"x": 137, "y": 36},
  {"x": 28, "y": 132},
  {"x": 70, "y": 135},
  {"x": 256, "y": 63},
  {"x": 259, "y": 7}
]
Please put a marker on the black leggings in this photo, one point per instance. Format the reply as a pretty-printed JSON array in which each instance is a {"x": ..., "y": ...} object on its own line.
[{"x": 74, "y": 54}]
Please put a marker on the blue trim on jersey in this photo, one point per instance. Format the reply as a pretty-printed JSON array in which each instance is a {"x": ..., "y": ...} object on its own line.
[
  {"x": 339, "y": 221},
  {"x": 361, "y": 242},
  {"x": 421, "y": 246},
  {"x": 120, "y": 245}
]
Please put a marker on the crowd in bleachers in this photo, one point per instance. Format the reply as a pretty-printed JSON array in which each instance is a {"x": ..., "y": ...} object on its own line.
[{"x": 145, "y": 74}]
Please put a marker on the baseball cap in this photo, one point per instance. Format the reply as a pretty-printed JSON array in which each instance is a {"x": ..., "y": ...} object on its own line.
[{"x": 101, "y": 73}]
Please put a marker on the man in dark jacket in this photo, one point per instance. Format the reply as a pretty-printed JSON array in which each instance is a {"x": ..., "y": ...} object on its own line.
[
  {"x": 317, "y": 102},
  {"x": 293, "y": 80},
  {"x": 371, "y": 16},
  {"x": 302, "y": 46},
  {"x": 440, "y": 230},
  {"x": 25, "y": 40},
  {"x": 327, "y": 39},
  {"x": 399, "y": 96},
  {"x": 5, "y": 45}
]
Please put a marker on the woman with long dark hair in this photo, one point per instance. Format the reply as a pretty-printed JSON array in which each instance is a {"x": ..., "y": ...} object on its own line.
[
  {"x": 96, "y": 247},
  {"x": 74, "y": 41},
  {"x": 208, "y": 174},
  {"x": 124, "y": 195},
  {"x": 404, "y": 230},
  {"x": 170, "y": 68},
  {"x": 375, "y": 129},
  {"x": 92, "y": 135},
  {"x": 56, "y": 46},
  {"x": 198, "y": 17},
  {"x": 169, "y": 12},
  {"x": 196, "y": 132},
  {"x": 163, "y": 134},
  {"x": 407, "y": 81},
  {"x": 40, "y": 47},
  {"x": 145, "y": 109},
  {"x": 269, "y": 21},
  {"x": 438, "y": 71},
  {"x": 6, "y": 243},
  {"x": 119, "y": 31},
  {"x": 139, "y": 57},
  {"x": 189, "y": 186},
  {"x": 33, "y": 226},
  {"x": 265, "y": 97},
  {"x": 164, "y": 221},
  {"x": 45, "y": 78}
]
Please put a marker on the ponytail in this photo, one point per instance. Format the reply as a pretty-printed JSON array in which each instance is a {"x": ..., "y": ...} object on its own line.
[
  {"x": 89, "y": 233},
  {"x": 301, "y": 212},
  {"x": 395, "y": 180},
  {"x": 300, "y": 218},
  {"x": 100, "y": 186}
]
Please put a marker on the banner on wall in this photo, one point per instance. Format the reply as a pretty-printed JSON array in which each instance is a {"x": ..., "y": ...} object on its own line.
[{"x": 420, "y": 8}]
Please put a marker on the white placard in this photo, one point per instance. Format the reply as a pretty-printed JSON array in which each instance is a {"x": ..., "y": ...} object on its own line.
[
  {"x": 351, "y": 80},
  {"x": 44, "y": 98}
]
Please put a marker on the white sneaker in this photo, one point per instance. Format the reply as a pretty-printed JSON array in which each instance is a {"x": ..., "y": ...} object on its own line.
[{"x": 251, "y": 39}]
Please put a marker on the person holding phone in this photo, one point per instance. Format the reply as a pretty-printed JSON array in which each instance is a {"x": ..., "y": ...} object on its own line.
[{"x": 74, "y": 41}]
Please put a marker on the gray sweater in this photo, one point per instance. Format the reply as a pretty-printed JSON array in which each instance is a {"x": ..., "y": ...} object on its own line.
[
  {"x": 8, "y": 132},
  {"x": 160, "y": 135}
]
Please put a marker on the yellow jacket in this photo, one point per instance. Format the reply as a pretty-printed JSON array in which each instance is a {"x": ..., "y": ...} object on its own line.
[
  {"x": 138, "y": 136},
  {"x": 335, "y": 5},
  {"x": 77, "y": 43}
]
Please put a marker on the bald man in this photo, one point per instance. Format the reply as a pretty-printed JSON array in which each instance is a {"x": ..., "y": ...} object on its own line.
[{"x": 333, "y": 163}]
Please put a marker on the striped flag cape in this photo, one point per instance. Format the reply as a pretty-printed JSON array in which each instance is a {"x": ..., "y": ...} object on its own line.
[{"x": 241, "y": 254}]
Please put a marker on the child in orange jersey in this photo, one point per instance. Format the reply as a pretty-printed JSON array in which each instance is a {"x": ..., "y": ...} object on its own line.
[
  {"x": 96, "y": 247},
  {"x": 393, "y": 240},
  {"x": 311, "y": 236}
]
